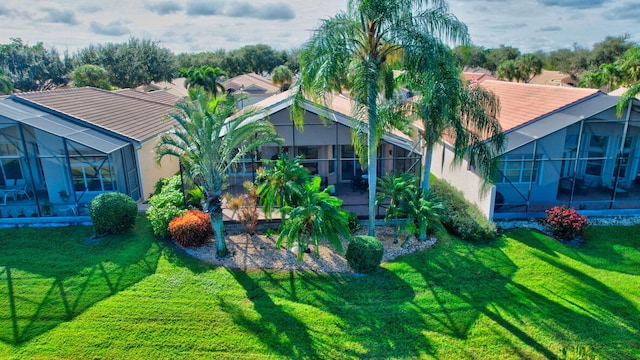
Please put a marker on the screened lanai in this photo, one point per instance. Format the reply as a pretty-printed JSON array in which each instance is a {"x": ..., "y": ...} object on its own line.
[
  {"x": 51, "y": 166},
  {"x": 592, "y": 165}
]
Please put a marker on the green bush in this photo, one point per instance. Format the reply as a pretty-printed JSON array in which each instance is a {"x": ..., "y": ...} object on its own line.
[
  {"x": 462, "y": 218},
  {"x": 112, "y": 213},
  {"x": 364, "y": 254},
  {"x": 354, "y": 222},
  {"x": 166, "y": 205}
]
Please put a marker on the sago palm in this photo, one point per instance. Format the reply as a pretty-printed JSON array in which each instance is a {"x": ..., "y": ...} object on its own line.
[
  {"x": 281, "y": 183},
  {"x": 357, "y": 50},
  {"x": 210, "y": 138}
]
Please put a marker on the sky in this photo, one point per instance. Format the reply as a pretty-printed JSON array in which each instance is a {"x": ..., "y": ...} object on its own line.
[{"x": 209, "y": 25}]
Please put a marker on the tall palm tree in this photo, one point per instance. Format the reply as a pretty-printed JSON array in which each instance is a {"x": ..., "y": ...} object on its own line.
[
  {"x": 466, "y": 113},
  {"x": 357, "y": 49},
  {"x": 211, "y": 137},
  {"x": 205, "y": 76},
  {"x": 282, "y": 76}
]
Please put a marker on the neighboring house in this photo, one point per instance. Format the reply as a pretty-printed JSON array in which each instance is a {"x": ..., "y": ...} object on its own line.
[
  {"x": 60, "y": 148},
  {"x": 553, "y": 78},
  {"x": 256, "y": 87},
  {"x": 565, "y": 146},
  {"x": 327, "y": 145},
  {"x": 475, "y": 77}
]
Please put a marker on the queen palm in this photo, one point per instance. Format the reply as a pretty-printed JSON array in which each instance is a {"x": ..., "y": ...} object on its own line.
[
  {"x": 210, "y": 138},
  {"x": 357, "y": 49},
  {"x": 467, "y": 113}
]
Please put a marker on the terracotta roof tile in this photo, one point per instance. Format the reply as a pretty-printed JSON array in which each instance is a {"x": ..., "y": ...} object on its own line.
[
  {"x": 134, "y": 117},
  {"x": 521, "y": 103}
]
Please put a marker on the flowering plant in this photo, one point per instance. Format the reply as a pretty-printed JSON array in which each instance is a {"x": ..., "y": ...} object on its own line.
[{"x": 566, "y": 223}]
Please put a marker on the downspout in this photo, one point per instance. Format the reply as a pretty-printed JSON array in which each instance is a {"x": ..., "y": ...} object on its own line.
[
  {"x": 575, "y": 163},
  {"x": 616, "y": 178}
]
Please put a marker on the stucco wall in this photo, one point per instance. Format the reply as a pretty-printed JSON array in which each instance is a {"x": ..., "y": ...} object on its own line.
[
  {"x": 150, "y": 171},
  {"x": 468, "y": 182}
]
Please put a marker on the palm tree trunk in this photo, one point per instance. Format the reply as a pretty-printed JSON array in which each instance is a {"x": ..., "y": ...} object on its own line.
[
  {"x": 372, "y": 154},
  {"x": 426, "y": 171},
  {"x": 215, "y": 213}
]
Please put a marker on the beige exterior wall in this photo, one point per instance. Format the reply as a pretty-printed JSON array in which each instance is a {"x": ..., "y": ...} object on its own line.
[
  {"x": 468, "y": 182},
  {"x": 150, "y": 171}
]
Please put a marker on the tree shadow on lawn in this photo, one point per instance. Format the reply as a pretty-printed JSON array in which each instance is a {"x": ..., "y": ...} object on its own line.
[
  {"x": 50, "y": 276},
  {"x": 469, "y": 281},
  {"x": 613, "y": 248},
  {"x": 362, "y": 315}
]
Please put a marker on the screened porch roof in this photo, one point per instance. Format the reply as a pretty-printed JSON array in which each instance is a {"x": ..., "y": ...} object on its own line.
[{"x": 56, "y": 125}]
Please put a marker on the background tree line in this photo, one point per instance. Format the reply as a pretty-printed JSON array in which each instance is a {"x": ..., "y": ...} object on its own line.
[{"x": 25, "y": 67}]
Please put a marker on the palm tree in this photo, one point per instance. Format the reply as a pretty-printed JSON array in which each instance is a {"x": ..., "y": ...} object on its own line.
[
  {"x": 449, "y": 105},
  {"x": 281, "y": 183},
  {"x": 205, "y": 76},
  {"x": 629, "y": 67},
  {"x": 317, "y": 216},
  {"x": 282, "y": 76},
  {"x": 356, "y": 50},
  {"x": 210, "y": 139}
]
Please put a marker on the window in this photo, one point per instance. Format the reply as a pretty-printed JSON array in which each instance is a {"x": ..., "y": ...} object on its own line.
[
  {"x": 596, "y": 154},
  {"x": 519, "y": 169},
  {"x": 92, "y": 175}
]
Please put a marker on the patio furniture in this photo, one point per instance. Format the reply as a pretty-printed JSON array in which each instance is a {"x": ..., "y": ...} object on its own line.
[
  {"x": 21, "y": 188},
  {"x": 3, "y": 197}
]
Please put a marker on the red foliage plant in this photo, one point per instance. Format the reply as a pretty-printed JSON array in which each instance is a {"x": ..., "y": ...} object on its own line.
[
  {"x": 191, "y": 229},
  {"x": 566, "y": 223}
]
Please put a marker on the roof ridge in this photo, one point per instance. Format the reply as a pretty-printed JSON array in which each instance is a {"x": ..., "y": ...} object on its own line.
[{"x": 570, "y": 88}]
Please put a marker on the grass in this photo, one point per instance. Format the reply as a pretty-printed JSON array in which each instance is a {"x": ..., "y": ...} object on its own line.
[{"x": 523, "y": 296}]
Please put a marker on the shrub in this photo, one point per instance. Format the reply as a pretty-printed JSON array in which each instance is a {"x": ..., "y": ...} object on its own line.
[
  {"x": 354, "y": 222},
  {"x": 113, "y": 213},
  {"x": 364, "y": 254},
  {"x": 165, "y": 206},
  {"x": 246, "y": 206},
  {"x": 462, "y": 218},
  {"x": 565, "y": 223},
  {"x": 193, "y": 228}
]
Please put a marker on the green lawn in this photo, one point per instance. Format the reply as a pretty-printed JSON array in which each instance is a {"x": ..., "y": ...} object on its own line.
[{"x": 523, "y": 296}]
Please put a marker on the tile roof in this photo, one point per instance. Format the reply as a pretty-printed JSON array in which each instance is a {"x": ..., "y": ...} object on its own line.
[
  {"x": 554, "y": 78},
  {"x": 161, "y": 96},
  {"x": 522, "y": 103},
  {"x": 251, "y": 83},
  {"x": 477, "y": 77},
  {"x": 136, "y": 116}
]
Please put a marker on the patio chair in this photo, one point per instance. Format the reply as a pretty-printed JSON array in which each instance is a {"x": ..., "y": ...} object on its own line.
[
  {"x": 3, "y": 197},
  {"x": 22, "y": 188}
]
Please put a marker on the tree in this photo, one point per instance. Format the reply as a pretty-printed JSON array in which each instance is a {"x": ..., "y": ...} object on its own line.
[
  {"x": 447, "y": 104},
  {"x": 207, "y": 77},
  {"x": 608, "y": 50},
  {"x": 6, "y": 86},
  {"x": 629, "y": 67},
  {"x": 470, "y": 56},
  {"x": 497, "y": 56},
  {"x": 357, "y": 50},
  {"x": 316, "y": 216},
  {"x": 32, "y": 68},
  {"x": 210, "y": 138},
  {"x": 253, "y": 58},
  {"x": 131, "y": 64},
  {"x": 280, "y": 183},
  {"x": 282, "y": 76},
  {"x": 91, "y": 75},
  {"x": 523, "y": 68}
]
